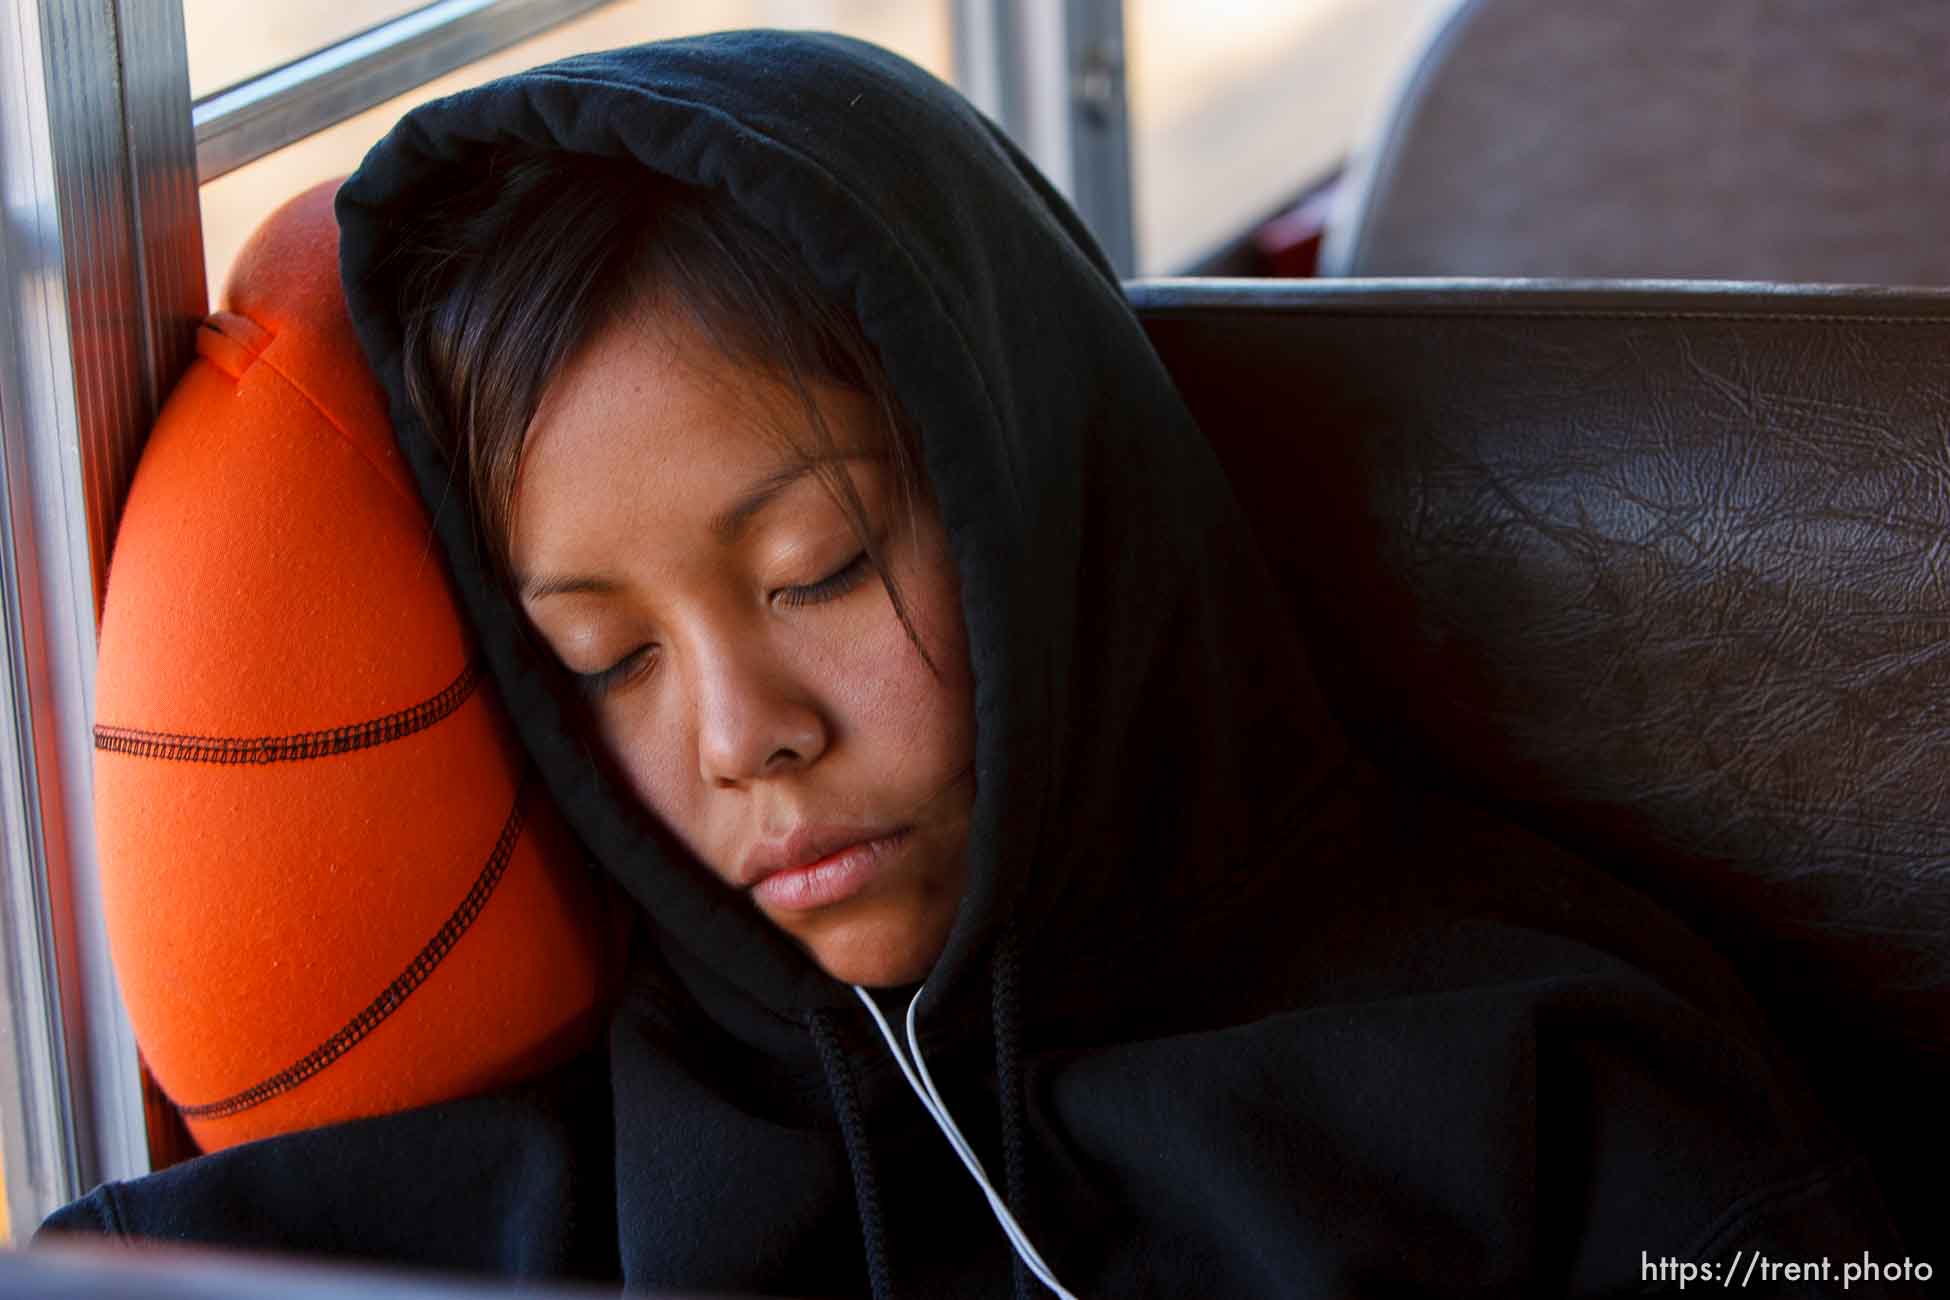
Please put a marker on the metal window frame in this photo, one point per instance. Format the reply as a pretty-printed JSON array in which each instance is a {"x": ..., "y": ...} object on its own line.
[
  {"x": 102, "y": 267},
  {"x": 242, "y": 123},
  {"x": 1053, "y": 77}
]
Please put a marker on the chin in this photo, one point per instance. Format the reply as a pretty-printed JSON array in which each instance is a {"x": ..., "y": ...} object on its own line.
[
  {"x": 878, "y": 970},
  {"x": 887, "y": 954}
]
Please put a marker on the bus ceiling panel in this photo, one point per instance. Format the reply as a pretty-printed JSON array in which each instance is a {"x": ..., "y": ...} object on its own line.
[{"x": 244, "y": 122}]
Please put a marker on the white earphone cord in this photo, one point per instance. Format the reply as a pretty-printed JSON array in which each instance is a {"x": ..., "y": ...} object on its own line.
[{"x": 938, "y": 1109}]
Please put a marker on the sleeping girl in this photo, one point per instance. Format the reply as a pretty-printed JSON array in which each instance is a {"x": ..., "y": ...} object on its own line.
[{"x": 1010, "y": 914}]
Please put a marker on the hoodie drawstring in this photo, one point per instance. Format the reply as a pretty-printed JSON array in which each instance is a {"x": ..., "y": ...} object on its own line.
[
  {"x": 1004, "y": 1013},
  {"x": 866, "y": 1193},
  {"x": 916, "y": 1073}
]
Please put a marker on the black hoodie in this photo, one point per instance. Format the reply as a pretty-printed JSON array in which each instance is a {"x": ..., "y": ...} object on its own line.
[{"x": 1224, "y": 1012}]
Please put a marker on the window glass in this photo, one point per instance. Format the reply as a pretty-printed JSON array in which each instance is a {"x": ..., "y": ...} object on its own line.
[
  {"x": 233, "y": 40},
  {"x": 233, "y": 205},
  {"x": 1237, "y": 107}
]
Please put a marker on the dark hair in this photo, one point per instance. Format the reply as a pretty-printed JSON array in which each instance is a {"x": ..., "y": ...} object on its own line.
[{"x": 503, "y": 279}]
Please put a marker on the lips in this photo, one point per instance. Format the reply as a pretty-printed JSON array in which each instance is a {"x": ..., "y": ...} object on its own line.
[{"x": 818, "y": 866}]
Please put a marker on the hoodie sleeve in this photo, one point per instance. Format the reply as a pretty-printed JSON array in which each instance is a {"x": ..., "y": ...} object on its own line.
[
  {"x": 518, "y": 1183},
  {"x": 1747, "y": 1197},
  {"x": 1803, "y": 1236},
  {"x": 93, "y": 1213}
]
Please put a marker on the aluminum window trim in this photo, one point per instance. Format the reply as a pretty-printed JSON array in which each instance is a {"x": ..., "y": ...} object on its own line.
[
  {"x": 101, "y": 269},
  {"x": 242, "y": 123},
  {"x": 1053, "y": 76}
]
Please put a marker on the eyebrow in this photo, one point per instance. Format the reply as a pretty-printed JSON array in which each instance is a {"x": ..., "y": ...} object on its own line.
[{"x": 727, "y": 526}]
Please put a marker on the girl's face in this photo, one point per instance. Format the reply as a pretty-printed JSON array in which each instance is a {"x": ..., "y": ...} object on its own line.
[{"x": 743, "y": 661}]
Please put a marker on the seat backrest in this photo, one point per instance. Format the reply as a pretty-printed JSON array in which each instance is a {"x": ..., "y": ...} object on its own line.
[
  {"x": 1795, "y": 140},
  {"x": 1660, "y": 573}
]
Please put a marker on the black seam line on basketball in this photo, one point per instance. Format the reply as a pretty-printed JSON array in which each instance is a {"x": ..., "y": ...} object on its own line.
[
  {"x": 392, "y": 997},
  {"x": 238, "y": 750}
]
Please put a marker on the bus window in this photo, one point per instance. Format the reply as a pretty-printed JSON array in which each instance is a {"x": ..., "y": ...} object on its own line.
[
  {"x": 234, "y": 203},
  {"x": 234, "y": 40},
  {"x": 1238, "y": 108}
]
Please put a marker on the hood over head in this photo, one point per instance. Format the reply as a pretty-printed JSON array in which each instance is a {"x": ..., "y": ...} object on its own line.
[{"x": 1146, "y": 723}]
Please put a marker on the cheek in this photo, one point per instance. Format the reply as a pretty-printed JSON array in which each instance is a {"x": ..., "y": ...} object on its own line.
[
  {"x": 652, "y": 761},
  {"x": 891, "y": 696},
  {"x": 930, "y": 711}
]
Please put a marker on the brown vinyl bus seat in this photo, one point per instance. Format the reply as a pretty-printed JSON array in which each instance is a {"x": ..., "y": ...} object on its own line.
[{"x": 1661, "y": 573}]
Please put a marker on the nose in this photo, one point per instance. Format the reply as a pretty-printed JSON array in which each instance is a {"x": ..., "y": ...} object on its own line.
[{"x": 754, "y": 719}]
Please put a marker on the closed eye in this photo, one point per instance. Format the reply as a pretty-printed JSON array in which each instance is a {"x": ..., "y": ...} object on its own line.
[
  {"x": 598, "y": 684},
  {"x": 840, "y": 582}
]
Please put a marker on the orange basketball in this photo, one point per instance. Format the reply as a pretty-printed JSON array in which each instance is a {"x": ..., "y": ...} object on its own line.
[{"x": 332, "y": 890}]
